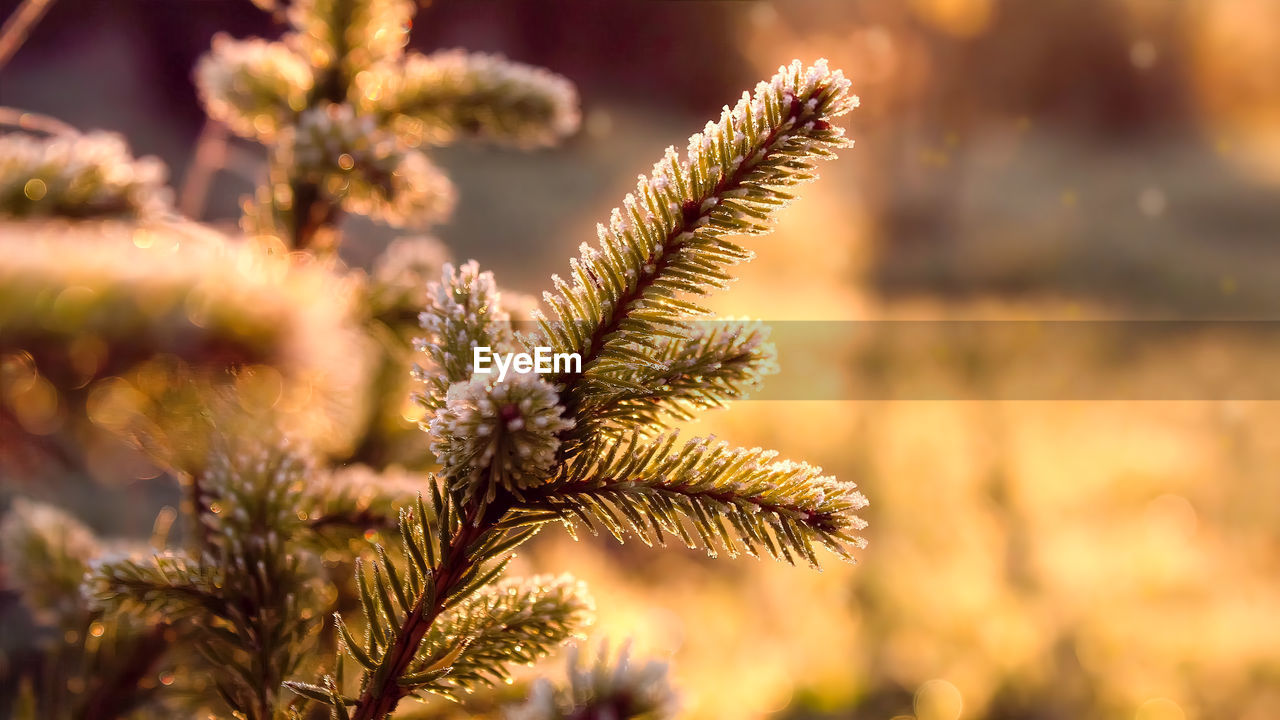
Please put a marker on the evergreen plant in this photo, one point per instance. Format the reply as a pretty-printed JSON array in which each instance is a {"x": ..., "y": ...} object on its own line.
[{"x": 275, "y": 604}]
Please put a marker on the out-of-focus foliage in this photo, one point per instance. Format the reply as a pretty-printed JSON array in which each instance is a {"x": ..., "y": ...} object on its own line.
[
  {"x": 46, "y": 555},
  {"x": 174, "y": 290},
  {"x": 342, "y": 140},
  {"x": 451, "y": 95},
  {"x": 600, "y": 687},
  {"x": 248, "y": 598},
  {"x": 46, "y": 552},
  {"x": 375, "y": 175},
  {"x": 345, "y": 109},
  {"x": 349, "y": 503},
  {"x": 256, "y": 87},
  {"x": 145, "y": 308},
  {"x": 401, "y": 276},
  {"x": 81, "y": 176}
]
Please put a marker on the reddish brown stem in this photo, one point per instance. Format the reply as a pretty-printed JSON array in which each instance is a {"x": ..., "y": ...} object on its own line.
[
  {"x": 314, "y": 213},
  {"x": 379, "y": 700}
]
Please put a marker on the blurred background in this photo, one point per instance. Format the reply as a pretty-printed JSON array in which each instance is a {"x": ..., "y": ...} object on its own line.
[{"x": 1057, "y": 556}]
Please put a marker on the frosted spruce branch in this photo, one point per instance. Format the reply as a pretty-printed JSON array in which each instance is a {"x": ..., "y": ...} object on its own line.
[
  {"x": 515, "y": 621},
  {"x": 627, "y": 312},
  {"x": 649, "y": 489},
  {"x": 494, "y": 436},
  {"x": 510, "y": 459},
  {"x": 434, "y": 623},
  {"x": 669, "y": 239},
  {"x": 719, "y": 361}
]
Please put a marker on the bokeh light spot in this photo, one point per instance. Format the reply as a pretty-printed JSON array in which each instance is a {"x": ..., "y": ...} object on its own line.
[
  {"x": 1143, "y": 54},
  {"x": 35, "y": 189},
  {"x": 1152, "y": 202},
  {"x": 938, "y": 699}
]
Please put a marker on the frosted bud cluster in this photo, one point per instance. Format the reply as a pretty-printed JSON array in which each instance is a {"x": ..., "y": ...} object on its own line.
[
  {"x": 79, "y": 176},
  {"x": 368, "y": 168},
  {"x": 490, "y": 434},
  {"x": 463, "y": 311}
]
